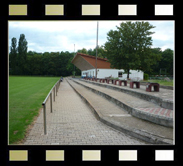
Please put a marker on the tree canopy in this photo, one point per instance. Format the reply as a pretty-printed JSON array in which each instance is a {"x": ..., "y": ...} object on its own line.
[
  {"x": 129, "y": 47},
  {"x": 22, "y": 54},
  {"x": 13, "y": 54},
  {"x": 165, "y": 65},
  {"x": 100, "y": 54}
]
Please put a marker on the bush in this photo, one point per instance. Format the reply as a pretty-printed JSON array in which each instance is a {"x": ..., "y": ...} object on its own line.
[
  {"x": 114, "y": 78},
  {"x": 146, "y": 76}
]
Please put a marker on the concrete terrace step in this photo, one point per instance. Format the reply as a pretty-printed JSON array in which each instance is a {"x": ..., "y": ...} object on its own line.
[
  {"x": 133, "y": 105},
  {"x": 116, "y": 117},
  {"x": 164, "y": 98}
]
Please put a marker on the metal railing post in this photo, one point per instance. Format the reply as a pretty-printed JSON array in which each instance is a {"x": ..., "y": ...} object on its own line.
[
  {"x": 51, "y": 102},
  {"x": 56, "y": 89},
  {"x": 54, "y": 93},
  {"x": 44, "y": 117},
  {"x": 51, "y": 108}
]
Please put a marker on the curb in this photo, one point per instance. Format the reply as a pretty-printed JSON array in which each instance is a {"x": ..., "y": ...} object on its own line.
[
  {"x": 165, "y": 121},
  {"x": 147, "y": 137},
  {"x": 156, "y": 100}
]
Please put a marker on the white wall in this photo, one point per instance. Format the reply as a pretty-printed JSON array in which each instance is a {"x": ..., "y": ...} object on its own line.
[
  {"x": 102, "y": 73},
  {"x": 91, "y": 73}
]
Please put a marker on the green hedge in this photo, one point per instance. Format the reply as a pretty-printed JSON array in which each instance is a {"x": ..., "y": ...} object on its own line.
[{"x": 146, "y": 76}]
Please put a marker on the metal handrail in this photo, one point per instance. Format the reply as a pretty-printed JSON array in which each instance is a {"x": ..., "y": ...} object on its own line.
[
  {"x": 57, "y": 84},
  {"x": 49, "y": 93}
]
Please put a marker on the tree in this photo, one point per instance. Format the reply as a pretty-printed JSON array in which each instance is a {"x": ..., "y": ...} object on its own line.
[
  {"x": 45, "y": 61},
  {"x": 84, "y": 51},
  {"x": 167, "y": 61},
  {"x": 22, "y": 54},
  {"x": 65, "y": 57},
  {"x": 13, "y": 56},
  {"x": 129, "y": 47},
  {"x": 155, "y": 67},
  {"x": 100, "y": 52},
  {"x": 165, "y": 64}
]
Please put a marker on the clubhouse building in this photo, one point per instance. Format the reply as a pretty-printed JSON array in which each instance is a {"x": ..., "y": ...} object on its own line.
[{"x": 87, "y": 65}]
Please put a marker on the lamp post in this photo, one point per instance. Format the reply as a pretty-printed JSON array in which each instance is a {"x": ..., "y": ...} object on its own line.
[
  {"x": 96, "y": 51},
  {"x": 74, "y": 65}
]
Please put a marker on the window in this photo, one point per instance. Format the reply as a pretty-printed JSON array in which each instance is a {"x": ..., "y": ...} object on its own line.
[{"x": 120, "y": 74}]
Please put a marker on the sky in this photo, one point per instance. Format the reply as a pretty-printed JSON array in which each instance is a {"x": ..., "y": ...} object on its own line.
[{"x": 57, "y": 36}]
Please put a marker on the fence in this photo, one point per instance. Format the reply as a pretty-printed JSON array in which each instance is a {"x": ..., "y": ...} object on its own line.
[
  {"x": 160, "y": 77},
  {"x": 53, "y": 89}
]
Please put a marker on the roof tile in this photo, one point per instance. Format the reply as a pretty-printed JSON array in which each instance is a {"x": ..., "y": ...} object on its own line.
[{"x": 101, "y": 62}]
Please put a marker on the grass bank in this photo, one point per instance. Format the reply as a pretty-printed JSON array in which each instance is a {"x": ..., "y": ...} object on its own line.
[
  {"x": 163, "y": 82},
  {"x": 26, "y": 95}
]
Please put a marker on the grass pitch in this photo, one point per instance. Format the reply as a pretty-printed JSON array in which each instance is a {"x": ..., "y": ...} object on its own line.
[{"x": 26, "y": 95}]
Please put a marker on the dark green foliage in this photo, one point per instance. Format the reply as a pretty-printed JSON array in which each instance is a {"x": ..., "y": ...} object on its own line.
[
  {"x": 165, "y": 64},
  {"x": 101, "y": 52},
  {"x": 167, "y": 61},
  {"x": 146, "y": 76},
  {"x": 50, "y": 64},
  {"x": 84, "y": 51},
  {"x": 129, "y": 47},
  {"x": 13, "y": 56},
  {"x": 22, "y": 54}
]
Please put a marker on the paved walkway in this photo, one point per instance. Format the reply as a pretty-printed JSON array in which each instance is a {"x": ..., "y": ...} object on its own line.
[{"x": 73, "y": 123}]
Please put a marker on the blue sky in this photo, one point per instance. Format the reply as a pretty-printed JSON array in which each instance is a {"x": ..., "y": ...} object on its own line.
[{"x": 57, "y": 36}]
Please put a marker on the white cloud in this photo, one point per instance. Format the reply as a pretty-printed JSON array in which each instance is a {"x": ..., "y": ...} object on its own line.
[
  {"x": 163, "y": 35},
  {"x": 164, "y": 30},
  {"x": 45, "y": 36}
]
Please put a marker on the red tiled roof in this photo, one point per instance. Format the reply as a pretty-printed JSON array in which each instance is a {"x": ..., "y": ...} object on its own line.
[{"x": 101, "y": 62}]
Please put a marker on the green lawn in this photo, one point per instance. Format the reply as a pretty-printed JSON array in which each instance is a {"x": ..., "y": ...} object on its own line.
[
  {"x": 163, "y": 82},
  {"x": 26, "y": 95}
]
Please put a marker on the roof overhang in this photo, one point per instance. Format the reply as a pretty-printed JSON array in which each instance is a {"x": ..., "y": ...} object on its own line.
[{"x": 81, "y": 63}]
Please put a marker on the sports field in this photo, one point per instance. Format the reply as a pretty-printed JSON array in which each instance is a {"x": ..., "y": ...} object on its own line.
[{"x": 26, "y": 95}]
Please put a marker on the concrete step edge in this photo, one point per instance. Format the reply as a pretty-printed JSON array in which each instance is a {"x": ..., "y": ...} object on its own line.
[
  {"x": 147, "y": 137},
  {"x": 161, "y": 120},
  {"x": 154, "y": 99}
]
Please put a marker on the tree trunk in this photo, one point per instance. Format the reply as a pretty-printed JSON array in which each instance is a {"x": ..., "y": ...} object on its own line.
[{"x": 128, "y": 72}]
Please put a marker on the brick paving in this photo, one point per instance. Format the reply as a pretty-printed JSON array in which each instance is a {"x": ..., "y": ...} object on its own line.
[
  {"x": 159, "y": 111},
  {"x": 73, "y": 123}
]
